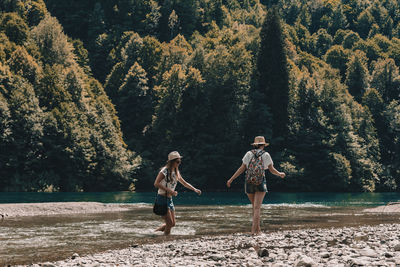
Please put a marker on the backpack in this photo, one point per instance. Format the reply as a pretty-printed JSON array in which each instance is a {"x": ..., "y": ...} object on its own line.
[{"x": 255, "y": 173}]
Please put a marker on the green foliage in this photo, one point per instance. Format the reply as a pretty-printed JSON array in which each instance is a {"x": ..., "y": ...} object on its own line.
[
  {"x": 14, "y": 27},
  {"x": 272, "y": 74},
  {"x": 364, "y": 23},
  {"x": 319, "y": 79},
  {"x": 59, "y": 123},
  {"x": 52, "y": 43},
  {"x": 386, "y": 79},
  {"x": 24, "y": 65},
  {"x": 357, "y": 75},
  {"x": 134, "y": 104},
  {"x": 350, "y": 39},
  {"x": 338, "y": 57}
]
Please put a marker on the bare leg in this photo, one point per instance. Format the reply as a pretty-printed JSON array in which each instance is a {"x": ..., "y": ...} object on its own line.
[
  {"x": 258, "y": 199},
  {"x": 251, "y": 198},
  {"x": 169, "y": 222}
]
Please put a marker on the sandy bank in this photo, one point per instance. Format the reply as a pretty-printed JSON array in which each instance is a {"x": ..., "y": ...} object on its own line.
[
  {"x": 58, "y": 208},
  {"x": 389, "y": 208}
]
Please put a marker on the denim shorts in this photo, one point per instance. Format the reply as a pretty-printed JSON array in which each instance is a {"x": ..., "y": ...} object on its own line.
[
  {"x": 252, "y": 188},
  {"x": 161, "y": 199}
]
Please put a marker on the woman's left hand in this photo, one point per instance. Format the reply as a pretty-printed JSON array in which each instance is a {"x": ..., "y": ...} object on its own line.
[{"x": 198, "y": 191}]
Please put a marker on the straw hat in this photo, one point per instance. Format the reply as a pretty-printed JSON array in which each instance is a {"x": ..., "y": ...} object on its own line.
[
  {"x": 174, "y": 155},
  {"x": 259, "y": 140}
]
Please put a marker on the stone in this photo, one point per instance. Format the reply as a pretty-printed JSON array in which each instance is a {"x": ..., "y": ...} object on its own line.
[
  {"x": 325, "y": 255},
  {"x": 263, "y": 252},
  {"x": 332, "y": 242},
  {"x": 357, "y": 262},
  {"x": 74, "y": 256},
  {"x": 217, "y": 257},
  {"x": 368, "y": 253},
  {"x": 397, "y": 247},
  {"x": 361, "y": 238},
  {"x": 305, "y": 261},
  {"x": 388, "y": 255}
]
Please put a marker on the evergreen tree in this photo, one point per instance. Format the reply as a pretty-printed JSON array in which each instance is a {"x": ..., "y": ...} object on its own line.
[
  {"x": 272, "y": 86},
  {"x": 337, "y": 57},
  {"x": 134, "y": 105},
  {"x": 53, "y": 44},
  {"x": 357, "y": 75},
  {"x": 364, "y": 23},
  {"x": 386, "y": 79},
  {"x": 14, "y": 27}
]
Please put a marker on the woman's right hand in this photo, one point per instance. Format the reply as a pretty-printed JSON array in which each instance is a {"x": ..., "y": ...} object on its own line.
[
  {"x": 228, "y": 183},
  {"x": 172, "y": 193}
]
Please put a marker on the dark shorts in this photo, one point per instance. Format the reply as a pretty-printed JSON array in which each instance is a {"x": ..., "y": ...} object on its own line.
[
  {"x": 252, "y": 188},
  {"x": 161, "y": 200}
]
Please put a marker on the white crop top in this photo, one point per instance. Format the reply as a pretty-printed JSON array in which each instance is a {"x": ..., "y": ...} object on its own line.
[{"x": 172, "y": 181}]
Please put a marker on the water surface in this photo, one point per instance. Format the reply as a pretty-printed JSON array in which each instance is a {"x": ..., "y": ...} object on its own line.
[{"x": 27, "y": 240}]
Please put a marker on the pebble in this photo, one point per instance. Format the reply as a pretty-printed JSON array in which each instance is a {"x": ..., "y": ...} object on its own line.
[{"x": 339, "y": 247}]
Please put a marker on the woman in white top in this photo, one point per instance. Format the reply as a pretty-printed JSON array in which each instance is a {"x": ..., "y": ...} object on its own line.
[
  {"x": 166, "y": 181},
  {"x": 255, "y": 162}
]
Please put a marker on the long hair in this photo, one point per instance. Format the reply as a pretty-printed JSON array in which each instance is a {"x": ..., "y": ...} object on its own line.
[{"x": 169, "y": 165}]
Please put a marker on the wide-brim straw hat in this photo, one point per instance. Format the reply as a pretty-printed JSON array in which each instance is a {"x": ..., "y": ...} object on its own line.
[
  {"x": 174, "y": 155},
  {"x": 259, "y": 140}
]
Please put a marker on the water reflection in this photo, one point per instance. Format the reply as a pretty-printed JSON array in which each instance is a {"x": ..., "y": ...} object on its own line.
[{"x": 33, "y": 239}]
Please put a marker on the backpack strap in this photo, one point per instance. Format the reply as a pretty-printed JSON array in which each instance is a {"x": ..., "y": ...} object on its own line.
[{"x": 255, "y": 153}]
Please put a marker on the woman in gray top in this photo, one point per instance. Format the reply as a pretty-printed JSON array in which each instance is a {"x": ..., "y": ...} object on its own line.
[{"x": 255, "y": 162}]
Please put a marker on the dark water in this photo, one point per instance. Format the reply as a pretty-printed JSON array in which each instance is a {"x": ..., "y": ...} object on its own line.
[
  {"x": 27, "y": 240},
  {"x": 211, "y": 198}
]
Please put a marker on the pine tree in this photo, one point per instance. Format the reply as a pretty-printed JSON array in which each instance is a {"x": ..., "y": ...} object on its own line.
[
  {"x": 134, "y": 105},
  {"x": 357, "y": 76},
  {"x": 272, "y": 80},
  {"x": 386, "y": 79}
]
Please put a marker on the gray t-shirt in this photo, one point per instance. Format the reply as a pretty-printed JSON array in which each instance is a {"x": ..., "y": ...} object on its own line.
[{"x": 266, "y": 158}]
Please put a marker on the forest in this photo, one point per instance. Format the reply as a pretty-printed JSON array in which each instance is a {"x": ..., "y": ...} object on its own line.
[{"x": 95, "y": 94}]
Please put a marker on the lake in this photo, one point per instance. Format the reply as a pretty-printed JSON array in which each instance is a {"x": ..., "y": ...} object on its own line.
[{"x": 27, "y": 240}]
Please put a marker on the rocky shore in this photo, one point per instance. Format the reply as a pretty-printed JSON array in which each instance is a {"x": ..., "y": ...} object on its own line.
[{"x": 350, "y": 246}]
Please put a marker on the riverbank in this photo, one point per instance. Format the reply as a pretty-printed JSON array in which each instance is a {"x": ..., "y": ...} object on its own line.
[
  {"x": 58, "y": 208},
  {"x": 63, "y": 208},
  {"x": 98, "y": 235},
  {"x": 348, "y": 246}
]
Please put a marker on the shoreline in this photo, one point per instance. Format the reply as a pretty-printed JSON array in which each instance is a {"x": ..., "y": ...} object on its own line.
[
  {"x": 58, "y": 208},
  {"x": 64, "y": 208},
  {"x": 347, "y": 246}
]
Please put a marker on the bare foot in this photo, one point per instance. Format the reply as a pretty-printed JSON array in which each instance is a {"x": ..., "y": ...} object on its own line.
[{"x": 161, "y": 228}]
